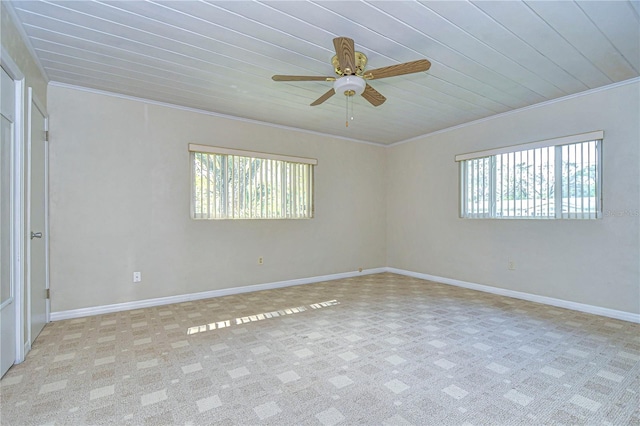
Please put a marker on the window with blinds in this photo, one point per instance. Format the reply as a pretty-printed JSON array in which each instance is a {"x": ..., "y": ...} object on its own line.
[
  {"x": 235, "y": 184},
  {"x": 552, "y": 179}
]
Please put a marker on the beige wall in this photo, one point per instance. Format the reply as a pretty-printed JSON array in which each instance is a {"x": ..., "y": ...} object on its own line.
[
  {"x": 119, "y": 203},
  {"x": 119, "y": 196},
  {"x": 596, "y": 262}
]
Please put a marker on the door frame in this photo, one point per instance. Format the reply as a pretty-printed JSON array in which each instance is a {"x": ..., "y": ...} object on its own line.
[
  {"x": 17, "y": 218},
  {"x": 34, "y": 101}
]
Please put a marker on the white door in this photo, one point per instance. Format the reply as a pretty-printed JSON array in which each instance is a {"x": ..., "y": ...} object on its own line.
[
  {"x": 37, "y": 218},
  {"x": 7, "y": 297}
]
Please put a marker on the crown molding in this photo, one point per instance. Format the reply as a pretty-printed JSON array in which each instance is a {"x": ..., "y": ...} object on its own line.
[
  {"x": 210, "y": 113},
  {"x": 519, "y": 110},
  {"x": 13, "y": 15}
]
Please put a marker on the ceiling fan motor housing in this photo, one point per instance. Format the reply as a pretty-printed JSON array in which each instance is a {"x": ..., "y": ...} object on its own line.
[
  {"x": 349, "y": 85},
  {"x": 360, "y": 64}
]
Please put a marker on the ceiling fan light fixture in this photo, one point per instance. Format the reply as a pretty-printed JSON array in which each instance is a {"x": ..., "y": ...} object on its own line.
[{"x": 349, "y": 85}]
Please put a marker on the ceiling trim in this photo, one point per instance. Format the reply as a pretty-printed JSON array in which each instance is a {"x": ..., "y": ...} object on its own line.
[
  {"x": 210, "y": 113},
  {"x": 516, "y": 111},
  {"x": 13, "y": 16}
]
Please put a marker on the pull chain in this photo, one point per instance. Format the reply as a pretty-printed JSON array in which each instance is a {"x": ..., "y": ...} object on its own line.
[
  {"x": 347, "y": 117},
  {"x": 352, "y": 107},
  {"x": 346, "y": 121}
]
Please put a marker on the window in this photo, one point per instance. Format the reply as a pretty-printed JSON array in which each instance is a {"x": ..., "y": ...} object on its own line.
[
  {"x": 234, "y": 184},
  {"x": 552, "y": 179}
]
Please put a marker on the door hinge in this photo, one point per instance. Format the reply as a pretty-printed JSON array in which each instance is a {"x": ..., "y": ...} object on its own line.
[
  {"x": 46, "y": 136},
  {"x": 47, "y": 293}
]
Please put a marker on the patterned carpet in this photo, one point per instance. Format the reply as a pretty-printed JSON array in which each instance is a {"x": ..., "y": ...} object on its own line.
[{"x": 377, "y": 350}]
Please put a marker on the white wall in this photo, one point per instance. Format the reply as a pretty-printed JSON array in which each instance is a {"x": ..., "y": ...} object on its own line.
[
  {"x": 595, "y": 262},
  {"x": 119, "y": 203}
]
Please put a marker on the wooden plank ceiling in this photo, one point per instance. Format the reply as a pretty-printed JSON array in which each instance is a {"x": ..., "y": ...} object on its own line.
[{"x": 487, "y": 57}]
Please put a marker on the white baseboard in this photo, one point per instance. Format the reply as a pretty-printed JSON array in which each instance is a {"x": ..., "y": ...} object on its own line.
[
  {"x": 590, "y": 309},
  {"x": 26, "y": 349},
  {"x": 147, "y": 303},
  {"x": 127, "y": 306}
]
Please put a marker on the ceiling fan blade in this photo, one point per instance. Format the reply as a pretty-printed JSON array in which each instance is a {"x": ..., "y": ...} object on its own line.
[
  {"x": 301, "y": 78},
  {"x": 373, "y": 96},
  {"x": 399, "y": 69},
  {"x": 346, "y": 54},
  {"x": 324, "y": 97}
]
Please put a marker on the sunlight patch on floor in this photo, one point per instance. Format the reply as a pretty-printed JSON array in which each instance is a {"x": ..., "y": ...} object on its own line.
[{"x": 259, "y": 317}]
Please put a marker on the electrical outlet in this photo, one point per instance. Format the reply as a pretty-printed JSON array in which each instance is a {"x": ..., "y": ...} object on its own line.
[
  {"x": 137, "y": 277},
  {"x": 260, "y": 260},
  {"x": 512, "y": 265}
]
